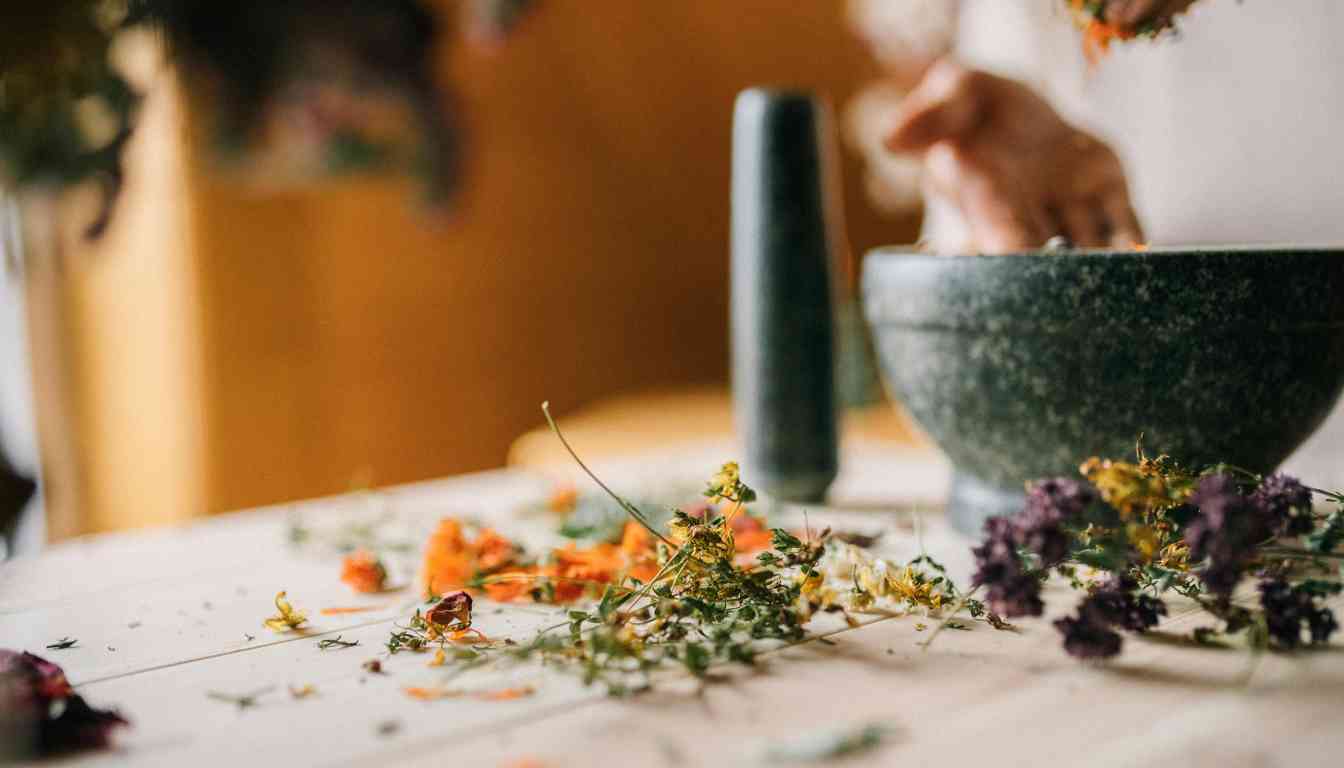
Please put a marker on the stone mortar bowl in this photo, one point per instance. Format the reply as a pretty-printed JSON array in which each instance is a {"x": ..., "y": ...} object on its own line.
[{"x": 1021, "y": 366}]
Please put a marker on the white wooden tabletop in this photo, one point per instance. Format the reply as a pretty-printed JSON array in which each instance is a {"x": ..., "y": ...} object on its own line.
[{"x": 164, "y": 617}]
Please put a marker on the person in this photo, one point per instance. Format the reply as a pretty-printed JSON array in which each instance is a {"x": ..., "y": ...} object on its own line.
[{"x": 1218, "y": 133}]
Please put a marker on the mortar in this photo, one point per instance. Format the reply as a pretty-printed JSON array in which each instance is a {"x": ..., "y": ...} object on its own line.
[{"x": 1020, "y": 366}]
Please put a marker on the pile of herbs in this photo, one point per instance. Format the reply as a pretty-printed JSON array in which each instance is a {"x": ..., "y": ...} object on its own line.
[
  {"x": 702, "y": 607},
  {"x": 1250, "y": 550}
]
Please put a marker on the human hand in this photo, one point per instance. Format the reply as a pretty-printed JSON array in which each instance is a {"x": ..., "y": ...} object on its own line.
[{"x": 1018, "y": 172}]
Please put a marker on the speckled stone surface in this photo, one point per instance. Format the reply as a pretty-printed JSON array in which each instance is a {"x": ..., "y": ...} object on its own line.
[
  {"x": 782, "y": 327},
  {"x": 1020, "y": 366}
]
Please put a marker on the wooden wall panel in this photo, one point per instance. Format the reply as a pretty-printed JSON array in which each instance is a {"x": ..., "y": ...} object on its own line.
[{"x": 347, "y": 334}]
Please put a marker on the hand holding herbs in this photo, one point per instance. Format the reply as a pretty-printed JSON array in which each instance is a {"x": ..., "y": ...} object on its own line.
[{"x": 1249, "y": 550}]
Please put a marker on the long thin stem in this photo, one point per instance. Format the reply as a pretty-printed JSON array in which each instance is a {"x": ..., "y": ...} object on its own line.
[
  {"x": 966, "y": 598},
  {"x": 630, "y": 509},
  {"x": 1301, "y": 554}
]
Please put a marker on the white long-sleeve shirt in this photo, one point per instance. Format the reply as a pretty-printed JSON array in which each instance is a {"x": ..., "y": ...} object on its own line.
[{"x": 1231, "y": 133}]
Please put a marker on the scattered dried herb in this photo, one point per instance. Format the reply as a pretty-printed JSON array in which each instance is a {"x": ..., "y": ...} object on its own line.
[
  {"x": 506, "y": 694},
  {"x": 1098, "y": 33},
  {"x": 40, "y": 713},
  {"x": 303, "y": 691},
  {"x": 373, "y": 666},
  {"x": 336, "y": 642},
  {"x": 828, "y": 744},
  {"x": 345, "y": 611},
  {"x": 694, "y": 602},
  {"x": 1153, "y": 526},
  {"x": 364, "y": 572},
  {"x": 286, "y": 619},
  {"x": 62, "y": 644},
  {"x": 242, "y": 701}
]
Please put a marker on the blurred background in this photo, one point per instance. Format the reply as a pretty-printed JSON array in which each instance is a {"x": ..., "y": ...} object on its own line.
[{"x": 226, "y": 345}]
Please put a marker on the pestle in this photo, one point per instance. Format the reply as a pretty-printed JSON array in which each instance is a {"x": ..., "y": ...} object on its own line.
[{"x": 783, "y": 363}]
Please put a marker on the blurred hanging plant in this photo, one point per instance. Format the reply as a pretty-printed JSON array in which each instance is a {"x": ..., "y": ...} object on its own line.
[{"x": 292, "y": 87}]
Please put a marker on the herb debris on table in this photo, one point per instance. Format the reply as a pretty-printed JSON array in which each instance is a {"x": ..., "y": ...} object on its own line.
[
  {"x": 62, "y": 644},
  {"x": 242, "y": 701},
  {"x": 1249, "y": 550},
  {"x": 680, "y": 597},
  {"x": 40, "y": 713},
  {"x": 287, "y": 619}
]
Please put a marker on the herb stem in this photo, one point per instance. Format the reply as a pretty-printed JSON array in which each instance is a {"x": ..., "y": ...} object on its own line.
[
  {"x": 630, "y": 509},
  {"x": 966, "y": 598}
]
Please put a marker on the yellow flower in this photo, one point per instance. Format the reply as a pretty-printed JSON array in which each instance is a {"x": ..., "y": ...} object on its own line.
[
  {"x": 288, "y": 618},
  {"x": 1175, "y": 556},
  {"x": 1144, "y": 539},
  {"x": 1128, "y": 487},
  {"x": 912, "y": 588}
]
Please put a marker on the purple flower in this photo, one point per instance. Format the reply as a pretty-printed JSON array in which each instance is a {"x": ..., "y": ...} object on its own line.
[
  {"x": 1009, "y": 589},
  {"x": 41, "y": 713},
  {"x": 1114, "y": 604},
  {"x": 1051, "y": 504},
  {"x": 1059, "y": 499},
  {"x": 1117, "y": 603},
  {"x": 1226, "y": 532},
  {"x": 1286, "y": 505},
  {"x": 1087, "y": 639},
  {"x": 1288, "y": 609}
]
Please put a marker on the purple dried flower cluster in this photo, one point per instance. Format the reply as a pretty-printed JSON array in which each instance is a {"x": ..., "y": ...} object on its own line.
[
  {"x": 1011, "y": 590},
  {"x": 1286, "y": 505},
  {"x": 1289, "y": 610},
  {"x": 1115, "y": 604},
  {"x": 1226, "y": 531},
  {"x": 41, "y": 713}
]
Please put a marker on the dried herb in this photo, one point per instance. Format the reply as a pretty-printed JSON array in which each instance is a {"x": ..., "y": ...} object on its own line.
[
  {"x": 286, "y": 619},
  {"x": 302, "y": 691},
  {"x": 373, "y": 666},
  {"x": 448, "y": 621},
  {"x": 40, "y": 713},
  {"x": 697, "y": 604},
  {"x": 242, "y": 701},
  {"x": 336, "y": 642},
  {"x": 1153, "y": 526},
  {"x": 829, "y": 744},
  {"x": 62, "y": 644},
  {"x": 364, "y": 572}
]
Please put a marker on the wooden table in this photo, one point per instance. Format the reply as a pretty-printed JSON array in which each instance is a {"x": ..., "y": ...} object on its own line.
[{"x": 165, "y": 616}]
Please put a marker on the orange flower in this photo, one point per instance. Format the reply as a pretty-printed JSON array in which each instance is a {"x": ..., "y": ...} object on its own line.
[
  {"x": 493, "y": 551},
  {"x": 563, "y": 500},
  {"x": 750, "y": 534},
  {"x": 363, "y": 572},
  {"x": 448, "y": 563},
  {"x": 346, "y": 610},
  {"x": 428, "y": 694},
  {"x": 507, "y": 694},
  {"x": 638, "y": 547},
  {"x": 452, "y": 561},
  {"x": 511, "y": 586}
]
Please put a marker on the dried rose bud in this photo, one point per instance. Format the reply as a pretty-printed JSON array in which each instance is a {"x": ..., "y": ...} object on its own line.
[
  {"x": 374, "y": 666},
  {"x": 452, "y": 612},
  {"x": 40, "y": 714}
]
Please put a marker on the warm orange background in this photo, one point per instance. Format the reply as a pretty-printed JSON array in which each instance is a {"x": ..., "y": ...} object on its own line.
[{"x": 337, "y": 333}]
